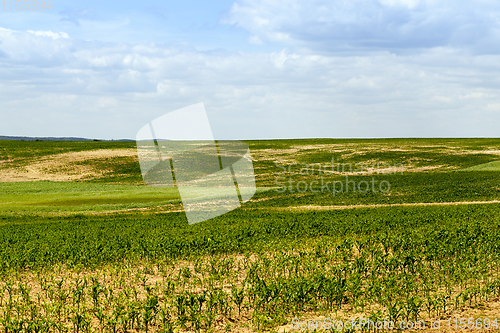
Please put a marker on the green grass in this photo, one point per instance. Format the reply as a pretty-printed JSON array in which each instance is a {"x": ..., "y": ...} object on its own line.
[
  {"x": 491, "y": 166},
  {"x": 47, "y": 196},
  {"x": 405, "y": 188},
  {"x": 80, "y": 239},
  {"x": 67, "y": 196},
  {"x": 10, "y": 149},
  {"x": 445, "y": 154}
]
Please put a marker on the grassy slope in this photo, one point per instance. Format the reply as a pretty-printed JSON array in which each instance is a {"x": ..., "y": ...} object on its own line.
[
  {"x": 30, "y": 149},
  {"x": 491, "y": 166},
  {"x": 32, "y": 240},
  {"x": 67, "y": 196},
  {"x": 111, "y": 190}
]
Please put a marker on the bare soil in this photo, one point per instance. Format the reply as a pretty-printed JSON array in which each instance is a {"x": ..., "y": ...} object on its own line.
[{"x": 62, "y": 167}]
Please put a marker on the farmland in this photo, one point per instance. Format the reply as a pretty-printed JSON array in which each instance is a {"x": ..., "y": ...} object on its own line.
[{"x": 85, "y": 246}]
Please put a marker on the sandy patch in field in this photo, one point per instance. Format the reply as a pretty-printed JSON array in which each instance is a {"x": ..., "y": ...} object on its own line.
[
  {"x": 366, "y": 171},
  {"x": 63, "y": 167},
  {"x": 335, "y": 207},
  {"x": 488, "y": 152},
  {"x": 368, "y": 167},
  {"x": 278, "y": 155},
  {"x": 363, "y": 148},
  {"x": 289, "y": 157},
  {"x": 336, "y": 147}
]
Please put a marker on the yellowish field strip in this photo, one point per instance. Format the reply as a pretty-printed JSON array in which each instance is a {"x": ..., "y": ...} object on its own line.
[
  {"x": 62, "y": 167},
  {"x": 334, "y": 207}
]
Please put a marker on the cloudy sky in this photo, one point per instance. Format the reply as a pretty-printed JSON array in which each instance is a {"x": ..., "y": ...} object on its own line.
[{"x": 263, "y": 68}]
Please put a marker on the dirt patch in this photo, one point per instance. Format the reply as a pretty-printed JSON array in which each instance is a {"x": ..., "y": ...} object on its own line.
[
  {"x": 63, "y": 167},
  {"x": 345, "y": 151},
  {"x": 476, "y": 152},
  {"x": 277, "y": 155},
  {"x": 366, "y": 170},
  {"x": 334, "y": 207}
]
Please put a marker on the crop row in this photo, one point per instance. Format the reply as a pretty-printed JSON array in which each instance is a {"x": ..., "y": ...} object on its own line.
[
  {"x": 246, "y": 268},
  {"x": 221, "y": 293}
]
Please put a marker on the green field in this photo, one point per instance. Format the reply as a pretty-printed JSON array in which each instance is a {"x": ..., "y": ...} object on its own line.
[{"x": 105, "y": 253}]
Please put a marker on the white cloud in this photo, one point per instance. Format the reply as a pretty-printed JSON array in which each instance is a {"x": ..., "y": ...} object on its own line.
[
  {"x": 364, "y": 25},
  {"x": 53, "y": 35},
  {"x": 279, "y": 58},
  {"x": 407, "y": 3},
  {"x": 42, "y": 48},
  {"x": 255, "y": 40},
  {"x": 67, "y": 87}
]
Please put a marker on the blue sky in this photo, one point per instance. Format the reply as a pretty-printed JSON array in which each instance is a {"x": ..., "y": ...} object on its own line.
[{"x": 263, "y": 68}]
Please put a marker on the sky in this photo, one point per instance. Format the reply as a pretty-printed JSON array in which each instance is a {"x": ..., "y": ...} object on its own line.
[{"x": 264, "y": 69}]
